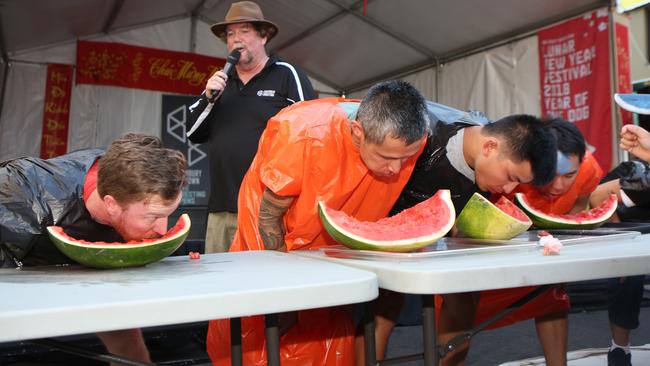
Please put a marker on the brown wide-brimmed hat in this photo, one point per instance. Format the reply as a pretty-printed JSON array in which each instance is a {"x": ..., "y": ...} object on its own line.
[{"x": 244, "y": 12}]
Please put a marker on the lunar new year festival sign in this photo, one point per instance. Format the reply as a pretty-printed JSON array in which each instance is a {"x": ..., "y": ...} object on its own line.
[{"x": 574, "y": 59}]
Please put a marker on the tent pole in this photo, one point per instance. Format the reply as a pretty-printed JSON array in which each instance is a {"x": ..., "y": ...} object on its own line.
[
  {"x": 5, "y": 71},
  {"x": 438, "y": 70},
  {"x": 5, "y": 66},
  {"x": 193, "y": 17},
  {"x": 115, "y": 10},
  {"x": 192, "y": 34}
]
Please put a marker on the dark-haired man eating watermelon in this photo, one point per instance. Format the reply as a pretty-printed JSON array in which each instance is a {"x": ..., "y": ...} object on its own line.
[
  {"x": 467, "y": 157},
  {"x": 124, "y": 193},
  {"x": 577, "y": 175}
]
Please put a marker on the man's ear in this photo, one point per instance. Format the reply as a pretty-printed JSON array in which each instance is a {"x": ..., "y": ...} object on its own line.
[
  {"x": 357, "y": 133},
  {"x": 490, "y": 145},
  {"x": 112, "y": 207}
]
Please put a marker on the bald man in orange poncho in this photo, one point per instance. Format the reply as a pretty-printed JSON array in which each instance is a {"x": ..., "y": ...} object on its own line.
[{"x": 355, "y": 157}]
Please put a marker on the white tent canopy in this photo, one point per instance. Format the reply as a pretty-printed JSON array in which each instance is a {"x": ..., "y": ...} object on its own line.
[
  {"x": 331, "y": 39},
  {"x": 467, "y": 53}
]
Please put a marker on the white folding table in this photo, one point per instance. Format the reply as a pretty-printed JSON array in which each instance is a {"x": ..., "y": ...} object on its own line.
[
  {"x": 66, "y": 300},
  {"x": 496, "y": 269}
]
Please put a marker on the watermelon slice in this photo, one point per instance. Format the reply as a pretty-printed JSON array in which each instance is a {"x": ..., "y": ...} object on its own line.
[
  {"x": 411, "y": 229},
  {"x": 587, "y": 219},
  {"x": 481, "y": 219},
  {"x": 118, "y": 255}
]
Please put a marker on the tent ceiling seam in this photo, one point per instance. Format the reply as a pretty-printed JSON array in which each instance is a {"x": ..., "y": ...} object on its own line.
[
  {"x": 3, "y": 43},
  {"x": 518, "y": 34},
  {"x": 197, "y": 9},
  {"x": 97, "y": 35},
  {"x": 395, "y": 74},
  {"x": 494, "y": 42},
  {"x": 386, "y": 30},
  {"x": 322, "y": 79},
  {"x": 110, "y": 20},
  {"x": 318, "y": 26},
  {"x": 308, "y": 32}
]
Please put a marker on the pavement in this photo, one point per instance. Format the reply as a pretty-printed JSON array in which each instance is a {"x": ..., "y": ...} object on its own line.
[{"x": 587, "y": 329}]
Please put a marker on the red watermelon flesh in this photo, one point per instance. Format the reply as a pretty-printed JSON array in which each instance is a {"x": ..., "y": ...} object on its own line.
[
  {"x": 396, "y": 227},
  {"x": 119, "y": 255},
  {"x": 591, "y": 214},
  {"x": 587, "y": 219},
  {"x": 180, "y": 225},
  {"x": 482, "y": 219},
  {"x": 410, "y": 229},
  {"x": 511, "y": 209}
]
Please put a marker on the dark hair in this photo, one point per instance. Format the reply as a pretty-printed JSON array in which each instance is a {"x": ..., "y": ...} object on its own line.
[
  {"x": 136, "y": 167},
  {"x": 570, "y": 140},
  {"x": 526, "y": 139},
  {"x": 263, "y": 30},
  {"x": 393, "y": 108}
]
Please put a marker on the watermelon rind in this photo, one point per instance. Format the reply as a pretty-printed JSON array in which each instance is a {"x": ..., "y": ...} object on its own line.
[
  {"x": 354, "y": 241},
  {"x": 481, "y": 219},
  {"x": 545, "y": 221},
  {"x": 116, "y": 255}
]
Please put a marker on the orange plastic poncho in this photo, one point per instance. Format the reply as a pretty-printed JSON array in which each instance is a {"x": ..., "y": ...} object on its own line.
[
  {"x": 306, "y": 152},
  {"x": 556, "y": 300}
]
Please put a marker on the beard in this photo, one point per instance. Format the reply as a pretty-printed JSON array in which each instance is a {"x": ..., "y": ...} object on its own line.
[{"x": 246, "y": 57}]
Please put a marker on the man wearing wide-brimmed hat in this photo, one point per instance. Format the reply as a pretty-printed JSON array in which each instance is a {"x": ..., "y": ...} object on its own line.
[{"x": 232, "y": 112}]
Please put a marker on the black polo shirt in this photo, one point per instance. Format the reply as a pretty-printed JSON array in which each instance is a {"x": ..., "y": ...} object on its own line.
[{"x": 234, "y": 124}]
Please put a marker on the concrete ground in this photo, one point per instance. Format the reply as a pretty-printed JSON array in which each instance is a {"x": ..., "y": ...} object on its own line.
[{"x": 587, "y": 329}]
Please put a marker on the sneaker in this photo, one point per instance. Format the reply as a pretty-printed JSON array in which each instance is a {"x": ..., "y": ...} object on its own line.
[{"x": 617, "y": 357}]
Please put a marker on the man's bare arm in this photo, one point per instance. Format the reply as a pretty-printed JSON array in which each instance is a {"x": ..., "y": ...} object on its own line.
[
  {"x": 581, "y": 204},
  {"x": 271, "y": 224},
  {"x": 603, "y": 191},
  {"x": 127, "y": 343}
]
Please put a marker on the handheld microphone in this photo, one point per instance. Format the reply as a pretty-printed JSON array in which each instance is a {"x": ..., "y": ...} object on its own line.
[{"x": 231, "y": 60}]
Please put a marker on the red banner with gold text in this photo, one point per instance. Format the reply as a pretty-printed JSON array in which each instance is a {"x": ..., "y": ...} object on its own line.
[
  {"x": 575, "y": 78},
  {"x": 623, "y": 70},
  {"x": 118, "y": 64},
  {"x": 56, "y": 111}
]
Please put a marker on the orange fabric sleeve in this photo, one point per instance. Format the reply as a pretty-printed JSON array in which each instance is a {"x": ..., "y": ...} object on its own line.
[
  {"x": 282, "y": 163},
  {"x": 589, "y": 176}
]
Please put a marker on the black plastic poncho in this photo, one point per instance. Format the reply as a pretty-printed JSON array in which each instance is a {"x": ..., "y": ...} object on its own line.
[
  {"x": 433, "y": 171},
  {"x": 37, "y": 193}
]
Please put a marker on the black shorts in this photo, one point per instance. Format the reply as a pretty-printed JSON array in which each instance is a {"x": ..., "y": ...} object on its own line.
[{"x": 624, "y": 297}]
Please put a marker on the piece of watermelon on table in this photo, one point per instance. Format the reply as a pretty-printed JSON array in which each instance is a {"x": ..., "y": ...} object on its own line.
[{"x": 411, "y": 229}]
